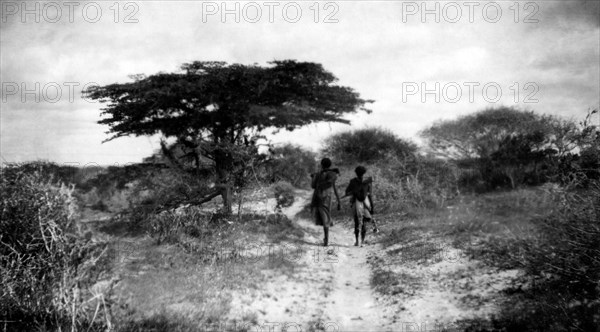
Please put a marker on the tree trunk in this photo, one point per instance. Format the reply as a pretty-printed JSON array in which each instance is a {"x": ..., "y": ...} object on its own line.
[
  {"x": 227, "y": 199},
  {"x": 222, "y": 164}
]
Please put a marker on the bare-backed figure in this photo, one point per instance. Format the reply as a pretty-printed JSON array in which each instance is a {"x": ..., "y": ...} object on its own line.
[
  {"x": 360, "y": 190},
  {"x": 324, "y": 187}
]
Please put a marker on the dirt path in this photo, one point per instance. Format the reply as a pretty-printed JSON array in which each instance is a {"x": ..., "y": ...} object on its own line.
[
  {"x": 329, "y": 291},
  {"x": 352, "y": 304},
  {"x": 430, "y": 284}
]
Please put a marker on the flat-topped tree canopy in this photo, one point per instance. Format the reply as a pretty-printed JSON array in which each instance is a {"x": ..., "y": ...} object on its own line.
[
  {"x": 216, "y": 100},
  {"x": 215, "y": 109}
]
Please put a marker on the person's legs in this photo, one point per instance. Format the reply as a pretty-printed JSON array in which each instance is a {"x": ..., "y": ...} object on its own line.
[
  {"x": 366, "y": 217},
  {"x": 325, "y": 218},
  {"x": 363, "y": 230},
  {"x": 356, "y": 228},
  {"x": 357, "y": 221}
]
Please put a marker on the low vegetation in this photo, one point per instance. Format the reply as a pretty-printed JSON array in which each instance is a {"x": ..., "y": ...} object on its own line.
[
  {"x": 48, "y": 264},
  {"x": 526, "y": 199}
]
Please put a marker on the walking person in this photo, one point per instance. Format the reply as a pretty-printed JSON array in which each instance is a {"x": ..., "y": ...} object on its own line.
[
  {"x": 324, "y": 187},
  {"x": 359, "y": 190}
]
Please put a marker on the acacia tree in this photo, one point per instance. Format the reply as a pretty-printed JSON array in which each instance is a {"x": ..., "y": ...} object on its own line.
[
  {"x": 219, "y": 110},
  {"x": 508, "y": 142},
  {"x": 481, "y": 134}
]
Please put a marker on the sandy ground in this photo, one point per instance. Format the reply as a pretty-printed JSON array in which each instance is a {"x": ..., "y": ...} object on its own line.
[
  {"x": 441, "y": 290},
  {"x": 328, "y": 288},
  {"x": 331, "y": 291}
]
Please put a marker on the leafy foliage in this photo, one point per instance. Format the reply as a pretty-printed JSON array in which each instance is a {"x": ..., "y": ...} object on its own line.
[
  {"x": 290, "y": 163},
  {"x": 509, "y": 147},
  {"x": 367, "y": 145},
  {"x": 480, "y": 134},
  {"x": 219, "y": 111}
]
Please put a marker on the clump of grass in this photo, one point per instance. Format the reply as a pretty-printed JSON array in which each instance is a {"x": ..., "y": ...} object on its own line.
[
  {"x": 47, "y": 261},
  {"x": 193, "y": 276},
  {"x": 167, "y": 226},
  {"x": 560, "y": 289},
  {"x": 196, "y": 259},
  {"x": 164, "y": 322},
  {"x": 387, "y": 282},
  {"x": 284, "y": 194},
  {"x": 421, "y": 251},
  {"x": 502, "y": 225},
  {"x": 397, "y": 235}
]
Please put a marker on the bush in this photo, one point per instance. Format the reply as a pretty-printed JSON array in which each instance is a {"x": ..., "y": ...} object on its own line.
[
  {"x": 46, "y": 259},
  {"x": 402, "y": 180},
  {"x": 284, "y": 194},
  {"x": 567, "y": 262},
  {"x": 418, "y": 183},
  {"x": 167, "y": 226},
  {"x": 162, "y": 190},
  {"x": 407, "y": 186},
  {"x": 290, "y": 163},
  {"x": 560, "y": 290},
  {"x": 366, "y": 146},
  {"x": 590, "y": 162}
]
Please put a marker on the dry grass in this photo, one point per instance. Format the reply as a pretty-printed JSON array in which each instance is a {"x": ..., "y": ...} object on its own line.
[
  {"x": 49, "y": 268},
  {"x": 547, "y": 232},
  {"x": 187, "y": 282},
  {"x": 170, "y": 289},
  {"x": 182, "y": 283},
  {"x": 186, "y": 279}
]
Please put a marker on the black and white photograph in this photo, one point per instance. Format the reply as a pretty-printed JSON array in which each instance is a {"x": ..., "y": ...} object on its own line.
[{"x": 300, "y": 166}]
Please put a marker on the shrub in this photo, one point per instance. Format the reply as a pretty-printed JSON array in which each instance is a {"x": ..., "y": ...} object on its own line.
[
  {"x": 511, "y": 147},
  {"x": 168, "y": 225},
  {"x": 46, "y": 259},
  {"x": 406, "y": 187},
  {"x": 292, "y": 164},
  {"x": 366, "y": 146},
  {"x": 566, "y": 264},
  {"x": 590, "y": 162},
  {"x": 402, "y": 179},
  {"x": 418, "y": 183},
  {"x": 162, "y": 190},
  {"x": 560, "y": 289},
  {"x": 284, "y": 194}
]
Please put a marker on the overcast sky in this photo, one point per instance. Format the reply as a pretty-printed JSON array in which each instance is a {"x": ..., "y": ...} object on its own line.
[{"x": 548, "y": 51}]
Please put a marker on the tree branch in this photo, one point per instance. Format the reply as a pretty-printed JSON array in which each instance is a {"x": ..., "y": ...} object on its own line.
[{"x": 193, "y": 201}]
